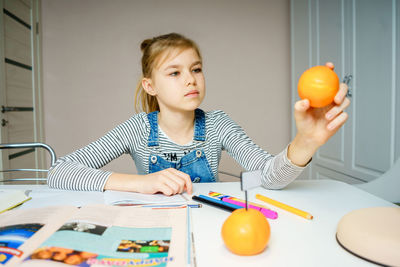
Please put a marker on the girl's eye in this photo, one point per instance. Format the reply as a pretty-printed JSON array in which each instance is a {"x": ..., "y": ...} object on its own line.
[
  {"x": 197, "y": 70},
  {"x": 175, "y": 73}
]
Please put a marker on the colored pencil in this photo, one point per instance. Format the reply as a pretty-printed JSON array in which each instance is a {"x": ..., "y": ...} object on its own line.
[{"x": 291, "y": 209}]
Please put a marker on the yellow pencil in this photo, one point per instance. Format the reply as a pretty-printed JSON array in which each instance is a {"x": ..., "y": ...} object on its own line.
[{"x": 278, "y": 204}]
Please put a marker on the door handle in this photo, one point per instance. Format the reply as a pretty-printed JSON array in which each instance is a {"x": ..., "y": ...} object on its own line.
[
  {"x": 10, "y": 109},
  {"x": 4, "y": 122},
  {"x": 347, "y": 80}
]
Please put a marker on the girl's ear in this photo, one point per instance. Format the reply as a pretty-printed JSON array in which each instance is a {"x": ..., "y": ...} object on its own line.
[{"x": 147, "y": 85}]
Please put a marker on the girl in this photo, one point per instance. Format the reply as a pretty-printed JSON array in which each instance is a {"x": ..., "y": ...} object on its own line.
[{"x": 174, "y": 143}]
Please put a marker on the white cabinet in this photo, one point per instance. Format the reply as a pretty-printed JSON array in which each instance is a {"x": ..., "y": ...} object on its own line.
[{"x": 361, "y": 38}]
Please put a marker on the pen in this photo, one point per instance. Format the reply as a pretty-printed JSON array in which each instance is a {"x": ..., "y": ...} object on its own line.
[
  {"x": 267, "y": 213},
  {"x": 191, "y": 246},
  {"x": 216, "y": 203},
  {"x": 189, "y": 257},
  {"x": 173, "y": 205},
  {"x": 169, "y": 207},
  {"x": 278, "y": 204},
  {"x": 193, "y": 205}
]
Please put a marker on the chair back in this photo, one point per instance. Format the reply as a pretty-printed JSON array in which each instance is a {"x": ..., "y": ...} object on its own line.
[
  {"x": 53, "y": 159},
  {"x": 387, "y": 186}
]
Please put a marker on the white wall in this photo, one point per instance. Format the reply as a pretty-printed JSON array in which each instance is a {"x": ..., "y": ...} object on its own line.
[{"x": 91, "y": 60}]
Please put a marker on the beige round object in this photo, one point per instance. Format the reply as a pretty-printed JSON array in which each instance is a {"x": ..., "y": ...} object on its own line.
[{"x": 372, "y": 234}]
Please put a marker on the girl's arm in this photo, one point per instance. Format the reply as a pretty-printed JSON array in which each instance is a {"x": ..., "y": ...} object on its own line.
[
  {"x": 277, "y": 171},
  {"x": 81, "y": 169},
  {"x": 315, "y": 127},
  {"x": 169, "y": 182}
]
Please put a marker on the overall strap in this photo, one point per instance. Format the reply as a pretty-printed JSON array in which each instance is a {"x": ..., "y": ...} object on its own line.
[
  {"x": 153, "y": 136},
  {"x": 200, "y": 125}
]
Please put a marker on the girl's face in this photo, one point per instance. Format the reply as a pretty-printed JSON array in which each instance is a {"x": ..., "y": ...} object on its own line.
[{"x": 178, "y": 83}]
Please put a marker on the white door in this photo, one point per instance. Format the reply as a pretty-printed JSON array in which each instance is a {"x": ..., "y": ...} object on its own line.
[
  {"x": 20, "y": 104},
  {"x": 362, "y": 39}
]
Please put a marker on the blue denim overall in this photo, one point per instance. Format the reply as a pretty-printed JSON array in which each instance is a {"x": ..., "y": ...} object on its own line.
[{"x": 195, "y": 163}]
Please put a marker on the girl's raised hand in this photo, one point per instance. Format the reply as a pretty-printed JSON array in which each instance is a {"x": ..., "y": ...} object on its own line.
[{"x": 316, "y": 125}]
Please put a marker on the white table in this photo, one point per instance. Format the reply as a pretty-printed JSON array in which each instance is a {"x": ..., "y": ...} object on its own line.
[{"x": 294, "y": 241}]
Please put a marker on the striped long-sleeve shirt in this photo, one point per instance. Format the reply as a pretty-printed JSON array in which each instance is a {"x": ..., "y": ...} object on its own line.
[{"x": 80, "y": 170}]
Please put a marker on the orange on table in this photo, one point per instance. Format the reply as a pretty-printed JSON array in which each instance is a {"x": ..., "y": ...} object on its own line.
[
  {"x": 246, "y": 232},
  {"x": 319, "y": 85}
]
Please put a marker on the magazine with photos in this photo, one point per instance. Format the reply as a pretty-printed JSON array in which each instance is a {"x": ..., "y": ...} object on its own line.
[{"x": 94, "y": 235}]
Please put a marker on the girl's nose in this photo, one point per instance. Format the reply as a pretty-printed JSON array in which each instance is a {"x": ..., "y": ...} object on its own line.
[{"x": 190, "y": 79}]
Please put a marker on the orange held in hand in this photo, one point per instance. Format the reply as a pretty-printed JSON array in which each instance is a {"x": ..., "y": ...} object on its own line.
[
  {"x": 246, "y": 232},
  {"x": 319, "y": 85}
]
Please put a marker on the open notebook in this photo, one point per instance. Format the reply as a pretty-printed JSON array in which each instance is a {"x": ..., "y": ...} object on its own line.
[{"x": 53, "y": 197}]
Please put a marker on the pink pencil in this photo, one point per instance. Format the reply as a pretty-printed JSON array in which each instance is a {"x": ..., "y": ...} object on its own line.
[{"x": 267, "y": 213}]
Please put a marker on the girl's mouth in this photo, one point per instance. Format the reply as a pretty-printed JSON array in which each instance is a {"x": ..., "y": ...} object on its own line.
[{"x": 192, "y": 93}]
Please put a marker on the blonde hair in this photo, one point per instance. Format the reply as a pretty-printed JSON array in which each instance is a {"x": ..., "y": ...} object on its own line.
[{"x": 155, "y": 51}]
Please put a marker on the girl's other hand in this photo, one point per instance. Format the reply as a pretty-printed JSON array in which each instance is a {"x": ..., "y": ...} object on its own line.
[{"x": 169, "y": 182}]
